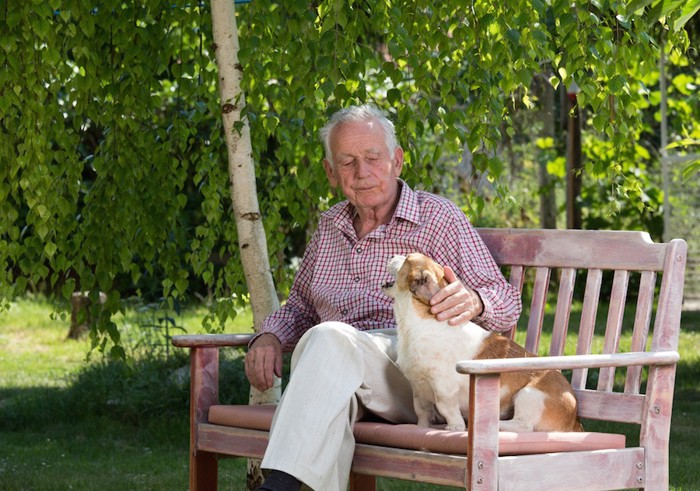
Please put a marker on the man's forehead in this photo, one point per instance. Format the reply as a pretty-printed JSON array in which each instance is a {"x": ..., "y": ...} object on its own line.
[
  {"x": 367, "y": 126},
  {"x": 351, "y": 135}
]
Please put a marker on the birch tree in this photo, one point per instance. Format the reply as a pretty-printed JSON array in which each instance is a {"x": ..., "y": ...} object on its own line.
[{"x": 251, "y": 234}]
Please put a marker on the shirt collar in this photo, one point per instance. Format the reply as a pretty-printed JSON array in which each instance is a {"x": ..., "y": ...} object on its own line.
[{"x": 408, "y": 207}]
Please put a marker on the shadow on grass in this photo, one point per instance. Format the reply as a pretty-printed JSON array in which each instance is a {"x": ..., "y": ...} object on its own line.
[
  {"x": 116, "y": 426},
  {"x": 134, "y": 393}
]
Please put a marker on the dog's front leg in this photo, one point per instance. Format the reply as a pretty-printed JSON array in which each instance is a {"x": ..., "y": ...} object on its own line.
[
  {"x": 424, "y": 410},
  {"x": 447, "y": 404}
]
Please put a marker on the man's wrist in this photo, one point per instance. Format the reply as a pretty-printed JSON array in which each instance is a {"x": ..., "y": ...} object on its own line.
[{"x": 263, "y": 334}]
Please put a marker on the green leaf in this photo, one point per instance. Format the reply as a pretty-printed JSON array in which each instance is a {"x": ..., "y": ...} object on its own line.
[
  {"x": 68, "y": 288},
  {"x": 617, "y": 83},
  {"x": 691, "y": 169},
  {"x": 690, "y": 8},
  {"x": 394, "y": 96},
  {"x": 117, "y": 353},
  {"x": 50, "y": 249}
]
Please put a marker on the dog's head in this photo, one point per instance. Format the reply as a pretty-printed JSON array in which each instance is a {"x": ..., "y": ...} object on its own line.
[{"x": 415, "y": 273}]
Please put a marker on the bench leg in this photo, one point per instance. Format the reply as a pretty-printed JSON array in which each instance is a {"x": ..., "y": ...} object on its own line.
[
  {"x": 362, "y": 482},
  {"x": 204, "y": 472},
  {"x": 204, "y": 392}
]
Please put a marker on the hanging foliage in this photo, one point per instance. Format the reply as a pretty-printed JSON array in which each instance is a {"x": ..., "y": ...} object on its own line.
[{"x": 113, "y": 167}]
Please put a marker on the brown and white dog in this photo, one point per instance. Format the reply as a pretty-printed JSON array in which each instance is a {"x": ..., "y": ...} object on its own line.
[{"x": 428, "y": 350}]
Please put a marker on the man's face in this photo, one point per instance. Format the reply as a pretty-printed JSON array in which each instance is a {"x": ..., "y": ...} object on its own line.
[{"x": 362, "y": 165}]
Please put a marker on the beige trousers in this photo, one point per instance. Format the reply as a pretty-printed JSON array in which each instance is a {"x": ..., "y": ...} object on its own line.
[{"x": 338, "y": 374}]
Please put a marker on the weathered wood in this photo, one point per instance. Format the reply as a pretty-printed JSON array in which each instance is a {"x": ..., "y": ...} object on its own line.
[
  {"x": 397, "y": 463},
  {"x": 537, "y": 309},
  {"x": 589, "y": 313},
  {"x": 204, "y": 392},
  {"x": 362, "y": 482},
  {"x": 566, "y": 362},
  {"x": 229, "y": 440},
  {"x": 547, "y": 253},
  {"x": 642, "y": 320},
  {"x": 563, "y": 311},
  {"x": 614, "y": 407},
  {"x": 613, "y": 330},
  {"x": 482, "y": 456},
  {"x": 580, "y": 249},
  {"x": 211, "y": 340},
  {"x": 582, "y": 471}
]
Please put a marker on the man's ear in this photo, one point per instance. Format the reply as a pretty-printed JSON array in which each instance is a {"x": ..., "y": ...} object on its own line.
[
  {"x": 423, "y": 284},
  {"x": 398, "y": 160},
  {"x": 330, "y": 173}
]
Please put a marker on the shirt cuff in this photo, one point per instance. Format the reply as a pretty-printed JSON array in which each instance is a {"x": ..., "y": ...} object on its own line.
[{"x": 255, "y": 338}]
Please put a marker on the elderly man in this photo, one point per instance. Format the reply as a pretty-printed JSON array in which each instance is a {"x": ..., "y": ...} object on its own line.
[{"x": 342, "y": 367}]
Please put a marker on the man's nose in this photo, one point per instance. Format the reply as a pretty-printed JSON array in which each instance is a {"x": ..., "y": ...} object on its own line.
[{"x": 363, "y": 168}]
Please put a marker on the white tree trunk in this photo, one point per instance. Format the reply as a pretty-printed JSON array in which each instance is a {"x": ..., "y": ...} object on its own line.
[{"x": 251, "y": 234}]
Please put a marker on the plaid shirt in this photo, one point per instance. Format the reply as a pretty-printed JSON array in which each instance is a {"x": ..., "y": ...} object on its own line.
[{"x": 340, "y": 277}]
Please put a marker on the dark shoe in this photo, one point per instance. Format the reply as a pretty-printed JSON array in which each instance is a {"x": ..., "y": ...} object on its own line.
[{"x": 280, "y": 481}]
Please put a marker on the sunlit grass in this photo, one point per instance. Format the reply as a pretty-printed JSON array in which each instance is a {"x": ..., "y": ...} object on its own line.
[{"x": 46, "y": 447}]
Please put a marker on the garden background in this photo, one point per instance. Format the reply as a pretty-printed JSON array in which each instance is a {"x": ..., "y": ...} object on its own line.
[{"x": 113, "y": 178}]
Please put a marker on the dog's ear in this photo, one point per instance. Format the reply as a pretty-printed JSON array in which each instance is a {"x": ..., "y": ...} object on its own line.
[{"x": 423, "y": 284}]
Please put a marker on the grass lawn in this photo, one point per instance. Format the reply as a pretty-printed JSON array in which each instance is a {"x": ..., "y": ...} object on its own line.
[{"x": 67, "y": 423}]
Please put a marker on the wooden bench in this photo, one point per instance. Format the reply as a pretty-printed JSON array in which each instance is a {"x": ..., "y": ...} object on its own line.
[{"x": 618, "y": 377}]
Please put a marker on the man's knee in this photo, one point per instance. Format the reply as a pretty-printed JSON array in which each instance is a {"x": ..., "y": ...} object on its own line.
[{"x": 326, "y": 337}]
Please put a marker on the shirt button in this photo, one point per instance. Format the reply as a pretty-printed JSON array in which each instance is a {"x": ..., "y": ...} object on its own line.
[
  {"x": 344, "y": 312},
  {"x": 358, "y": 250},
  {"x": 357, "y": 279}
]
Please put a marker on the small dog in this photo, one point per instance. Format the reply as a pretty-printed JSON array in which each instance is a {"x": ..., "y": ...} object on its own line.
[{"x": 428, "y": 351}]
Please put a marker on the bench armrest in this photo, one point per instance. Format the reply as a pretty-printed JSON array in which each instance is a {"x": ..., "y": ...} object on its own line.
[
  {"x": 211, "y": 340},
  {"x": 570, "y": 362}
]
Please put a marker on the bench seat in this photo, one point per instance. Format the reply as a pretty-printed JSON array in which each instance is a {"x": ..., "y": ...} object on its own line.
[{"x": 436, "y": 440}]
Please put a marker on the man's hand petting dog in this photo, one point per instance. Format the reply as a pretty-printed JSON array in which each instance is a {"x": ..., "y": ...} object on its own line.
[{"x": 456, "y": 303}]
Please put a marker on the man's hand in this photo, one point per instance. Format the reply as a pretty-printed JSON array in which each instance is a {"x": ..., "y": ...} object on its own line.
[
  {"x": 263, "y": 361},
  {"x": 456, "y": 302}
]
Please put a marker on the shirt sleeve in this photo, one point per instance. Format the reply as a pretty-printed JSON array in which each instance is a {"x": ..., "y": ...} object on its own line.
[
  {"x": 297, "y": 315},
  {"x": 466, "y": 253}
]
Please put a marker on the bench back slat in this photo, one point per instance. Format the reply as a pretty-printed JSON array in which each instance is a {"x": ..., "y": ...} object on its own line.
[
  {"x": 670, "y": 302},
  {"x": 620, "y": 269},
  {"x": 642, "y": 321},
  {"x": 594, "y": 280},
  {"x": 613, "y": 330},
  {"x": 565, "y": 298},
  {"x": 517, "y": 279},
  {"x": 537, "y": 309}
]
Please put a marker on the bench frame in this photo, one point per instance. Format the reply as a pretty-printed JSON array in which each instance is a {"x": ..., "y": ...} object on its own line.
[{"x": 531, "y": 256}]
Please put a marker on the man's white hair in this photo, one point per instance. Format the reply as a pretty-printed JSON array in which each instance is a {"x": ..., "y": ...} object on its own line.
[{"x": 356, "y": 114}]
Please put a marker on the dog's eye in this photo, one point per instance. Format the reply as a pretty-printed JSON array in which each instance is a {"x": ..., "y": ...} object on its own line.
[{"x": 388, "y": 284}]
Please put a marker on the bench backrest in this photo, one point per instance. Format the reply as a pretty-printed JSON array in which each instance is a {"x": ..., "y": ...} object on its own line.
[{"x": 642, "y": 279}]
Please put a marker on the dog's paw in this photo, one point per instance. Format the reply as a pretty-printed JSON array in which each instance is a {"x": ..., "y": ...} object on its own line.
[{"x": 457, "y": 427}]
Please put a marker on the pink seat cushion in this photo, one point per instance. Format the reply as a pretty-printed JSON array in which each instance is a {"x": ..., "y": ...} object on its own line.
[{"x": 430, "y": 439}]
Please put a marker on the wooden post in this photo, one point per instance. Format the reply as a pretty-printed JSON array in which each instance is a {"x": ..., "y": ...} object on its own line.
[{"x": 574, "y": 165}]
